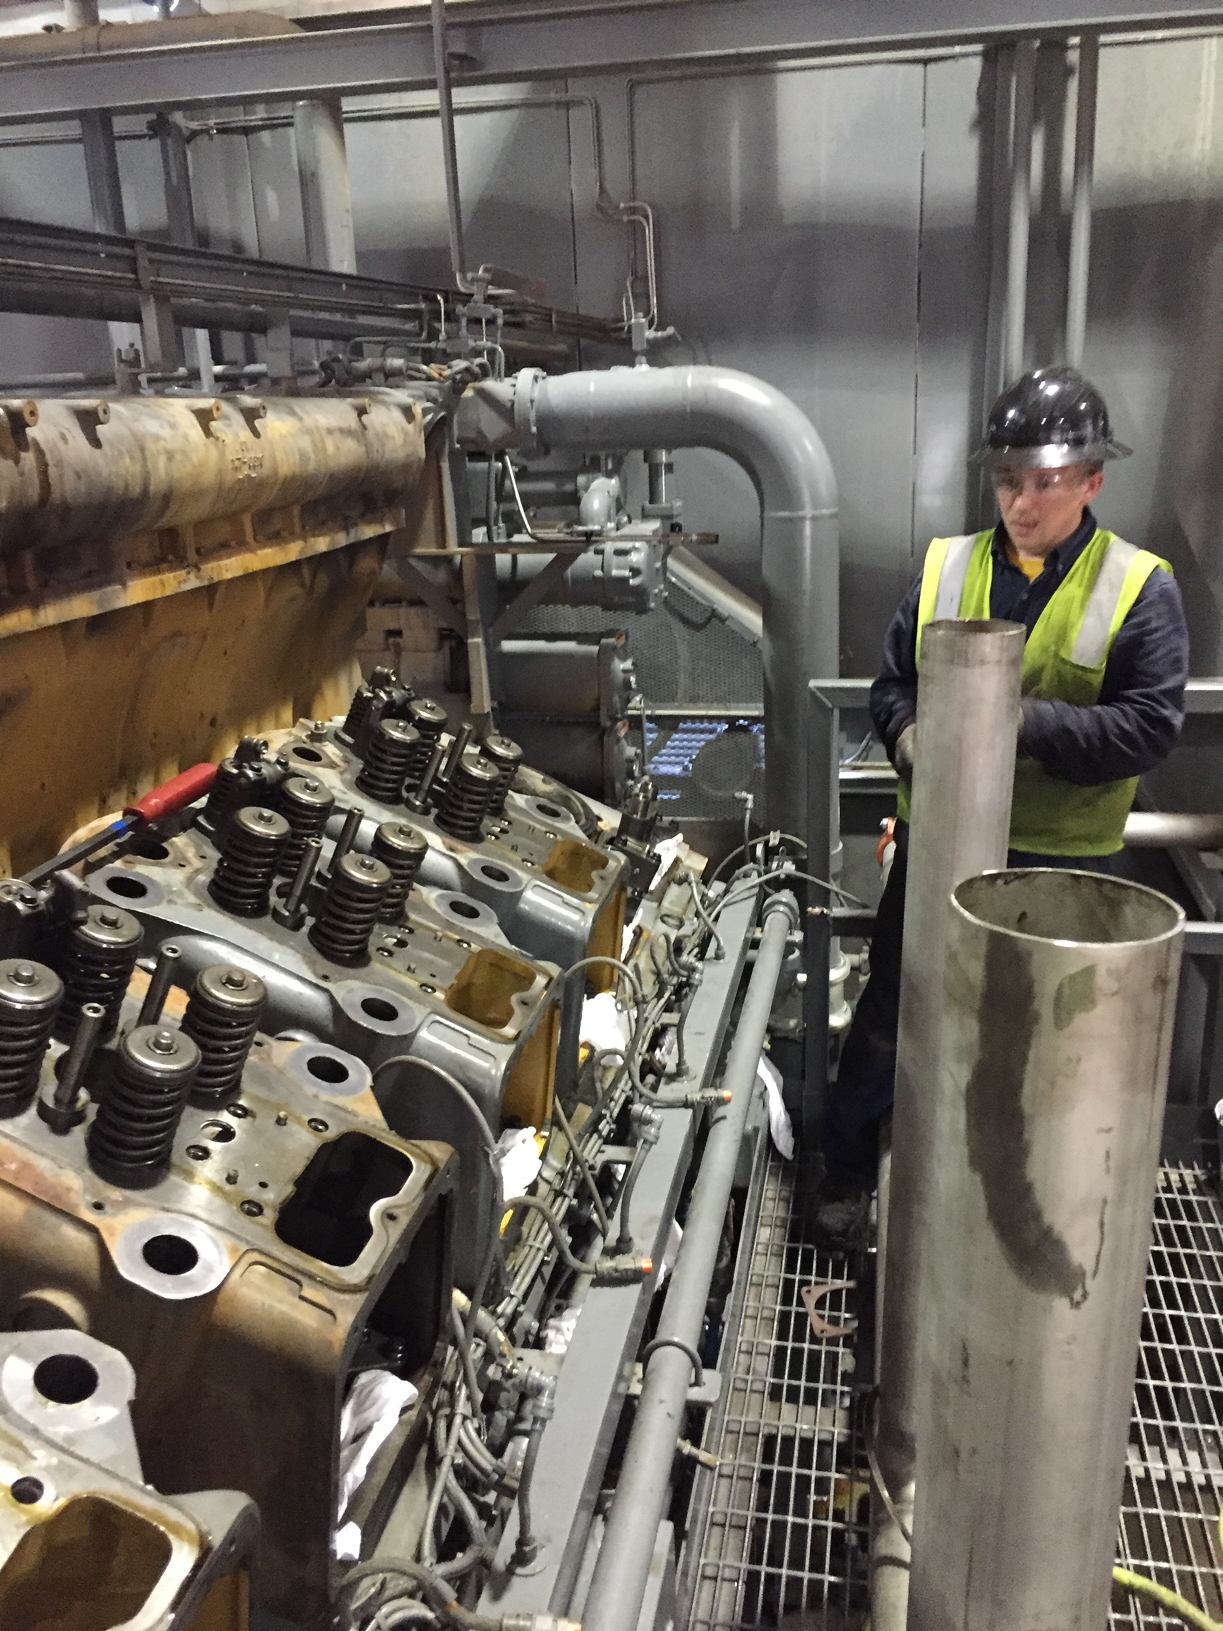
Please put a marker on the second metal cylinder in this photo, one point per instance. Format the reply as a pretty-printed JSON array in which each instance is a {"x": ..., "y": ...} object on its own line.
[
  {"x": 967, "y": 723},
  {"x": 1058, "y": 1005}
]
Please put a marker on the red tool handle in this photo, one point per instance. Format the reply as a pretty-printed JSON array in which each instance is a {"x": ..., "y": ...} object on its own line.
[{"x": 174, "y": 795}]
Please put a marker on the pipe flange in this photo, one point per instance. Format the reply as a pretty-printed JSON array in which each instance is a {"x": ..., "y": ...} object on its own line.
[
  {"x": 784, "y": 902},
  {"x": 526, "y": 384}
]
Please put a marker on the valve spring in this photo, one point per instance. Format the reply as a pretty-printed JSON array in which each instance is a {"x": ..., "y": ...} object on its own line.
[
  {"x": 305, "y": 804},
  {"x": 132, "y": 1135},
  {"x": 505, "y": 755},
  {"x": 98, "y": 960},
  {"x": 223, "y": 1013},
  {"x": 233, "y": 780},
  {"x": 350, "y": 908},
  {"x": 30, "y": 995},
  {"x": 468, "y": 797},
  {"x": 254, "y": 842},
  {"x": 386, "y": 761},
  {"x": 429, "y": 719},
  {"x": 401, "y": 849}
]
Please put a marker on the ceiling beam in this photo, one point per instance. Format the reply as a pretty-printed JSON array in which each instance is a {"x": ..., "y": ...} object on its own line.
[{"x": 545, "y": 41}]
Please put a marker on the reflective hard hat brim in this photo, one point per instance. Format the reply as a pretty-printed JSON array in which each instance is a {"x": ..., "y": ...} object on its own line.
[{"x": 1049, "y": 456}]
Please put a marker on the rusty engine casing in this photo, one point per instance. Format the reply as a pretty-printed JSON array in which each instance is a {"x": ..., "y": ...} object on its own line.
[
  {"x": 84, "y": 1541},
  {"x": 291, "y": 1241}
]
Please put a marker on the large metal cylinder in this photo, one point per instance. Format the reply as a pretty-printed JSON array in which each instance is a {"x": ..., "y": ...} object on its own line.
[
  {"x": 967, "y": 723},
  {"x": 1058, "y": 1011},
  {"x": 103, "y": 469}
]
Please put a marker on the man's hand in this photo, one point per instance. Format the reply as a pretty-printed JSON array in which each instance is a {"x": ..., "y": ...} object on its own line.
[{"x": 902, "y": 753}]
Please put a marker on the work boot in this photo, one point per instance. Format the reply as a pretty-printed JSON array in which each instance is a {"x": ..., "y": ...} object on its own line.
[{"x": 839, "y": 1214}]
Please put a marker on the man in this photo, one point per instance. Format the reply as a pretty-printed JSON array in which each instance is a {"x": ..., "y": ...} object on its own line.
[{"x": 1104, "y": 672}]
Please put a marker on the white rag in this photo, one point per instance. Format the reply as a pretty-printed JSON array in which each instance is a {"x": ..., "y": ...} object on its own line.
[
  {"x": 780, "y": 1130},
  {"x": 604, "y": 1024},
  {"x": 375, "y": 1402},
  {"x": 518, "y": 1160}
]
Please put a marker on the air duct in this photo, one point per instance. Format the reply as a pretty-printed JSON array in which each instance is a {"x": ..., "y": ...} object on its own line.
[{"x": 774, "y": 443}]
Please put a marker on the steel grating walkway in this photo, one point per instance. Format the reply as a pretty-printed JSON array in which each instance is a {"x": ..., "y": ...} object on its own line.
[{"x": 779, "y": 1531}]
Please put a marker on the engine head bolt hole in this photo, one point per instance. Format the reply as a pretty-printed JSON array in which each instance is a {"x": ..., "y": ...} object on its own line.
[
  {"x": 252, "y": 1209},
  {"x": 65, "y": 1379},
  {"x": 316, "y": 1124},
  {"x": 127, "y": 889},
  {"x": 379, "y": 1008},
  {"x": 26, "y": 1491},
  {"x": 218, "y": 1132},
  {"x": 326, "y": 1069},
  {"x": 170, "y": 1254}
]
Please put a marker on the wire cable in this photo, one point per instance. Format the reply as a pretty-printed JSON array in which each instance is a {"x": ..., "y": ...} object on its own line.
[
  {"x": 730, "y": 899},
  {"x": 588, "y": 1177},
  {"x": 740, "y": 849},
  {"x": 532, "y": 1203}
]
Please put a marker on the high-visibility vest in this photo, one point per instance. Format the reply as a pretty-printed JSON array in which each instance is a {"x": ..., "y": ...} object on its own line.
[{"x": 1064, "y": 658}]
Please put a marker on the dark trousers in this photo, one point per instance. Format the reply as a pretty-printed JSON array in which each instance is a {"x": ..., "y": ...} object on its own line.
[{"x": 862, "y": 1095}]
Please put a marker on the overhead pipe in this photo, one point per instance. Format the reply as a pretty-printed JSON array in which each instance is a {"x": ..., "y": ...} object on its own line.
[
  {"x": 967, "y": 725},
  {"x": 1020, "y": 208},
  {"x": 774, "y": 443},
  {"x": 1080, "y": 208},
  {"x": 323, "y": 179},
  {"x": 617, "y": 1587},
  {"x": 1058, "y": 1015},
  {"x": 450, "y": 156}
]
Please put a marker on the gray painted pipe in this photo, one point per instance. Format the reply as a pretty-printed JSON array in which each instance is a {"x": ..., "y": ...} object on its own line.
[
  {"x": 1020, "y": 208},
  {"x": 967, "y": 722},
  {"x": 1060, "y": 1001},
  {"x": 1080, "y": 208},
  {"x": 775, "y": 443},
  {"x": 617, "y": 1589},
  {"x": 1170, "y": 829},
  {"x": 450, "y": 157},
  {"x": 323, "y": 179},
  {"x": 736, "y": 609}
]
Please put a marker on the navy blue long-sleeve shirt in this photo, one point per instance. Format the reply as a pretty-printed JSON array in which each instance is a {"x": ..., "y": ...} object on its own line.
[{"x": 1135, "y": 722}]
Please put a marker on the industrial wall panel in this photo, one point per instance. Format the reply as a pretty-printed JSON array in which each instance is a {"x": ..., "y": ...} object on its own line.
[
  {"x": 47, "y": 183},
  {"x": 1154, "y": 340},
  {"x": 955, "y": 271},
  {"x": 514, "y": 170},
  {"x": 788, "y": 206}
]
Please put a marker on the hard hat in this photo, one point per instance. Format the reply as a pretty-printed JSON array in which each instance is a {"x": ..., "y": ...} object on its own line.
[{"x": 1047, "y": 419}]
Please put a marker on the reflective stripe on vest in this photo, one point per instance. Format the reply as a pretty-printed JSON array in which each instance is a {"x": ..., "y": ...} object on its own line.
[
  {"x": 944, "y": 575},
  {"x": 1095, "y": 636},
  {"x": 953, "y": 577}
]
